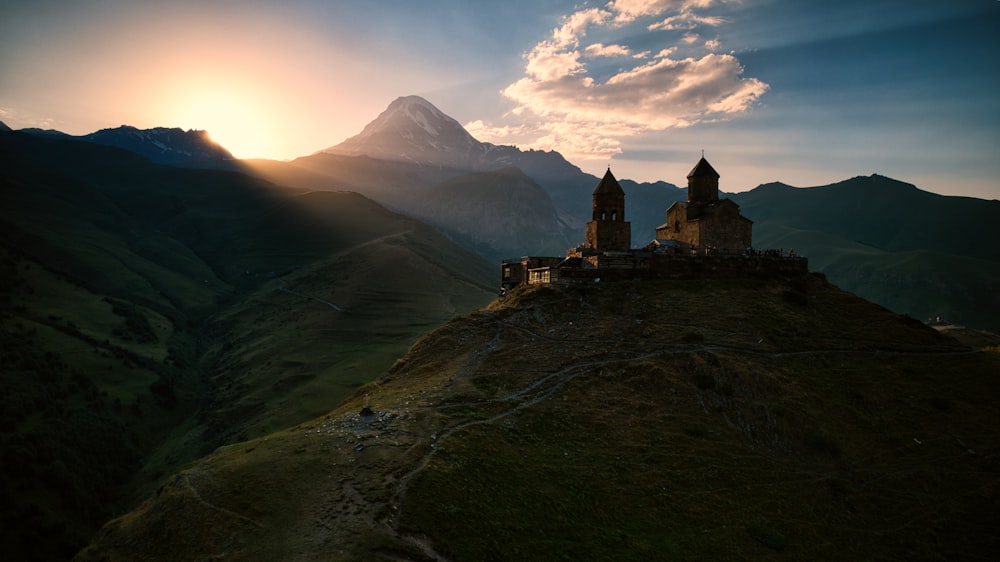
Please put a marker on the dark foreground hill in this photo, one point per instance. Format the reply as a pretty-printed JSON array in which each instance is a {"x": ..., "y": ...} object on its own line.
[
  {"x": 149, "y": 314},
  {"x": 701, "y": 419}
]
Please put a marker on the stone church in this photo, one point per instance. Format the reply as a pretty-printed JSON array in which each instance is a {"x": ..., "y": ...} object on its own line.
[
  {"x": 706, "y": 222},
  {"x": 706, "y": 236}
]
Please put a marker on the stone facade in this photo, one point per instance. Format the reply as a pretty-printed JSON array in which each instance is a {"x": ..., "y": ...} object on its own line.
[
  {"x": 608, "y": 231},
  {"x": 706, "y": 221},
  {"x": 706, "y": 236}
]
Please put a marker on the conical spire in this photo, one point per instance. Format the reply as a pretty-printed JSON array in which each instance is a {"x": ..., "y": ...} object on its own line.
[
  {"x": 703, "y": 169},
  {"x": 609, "y": 185}
]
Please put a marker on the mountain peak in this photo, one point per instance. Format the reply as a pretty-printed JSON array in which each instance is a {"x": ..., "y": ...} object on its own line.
[{"x": 412, "y": 129}]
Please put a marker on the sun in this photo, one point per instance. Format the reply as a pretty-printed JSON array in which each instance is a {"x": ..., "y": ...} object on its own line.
[{"x": 234, "y": 121}]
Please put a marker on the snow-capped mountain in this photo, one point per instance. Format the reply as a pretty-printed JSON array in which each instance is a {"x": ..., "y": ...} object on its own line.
[{"x": 413, "y": 130}]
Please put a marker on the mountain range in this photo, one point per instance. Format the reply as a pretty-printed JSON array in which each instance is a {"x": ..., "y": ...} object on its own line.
[
  {"x": 926, "y": 255},
  {"x": 161, "y": 300},
  {"x": 162, "y": 145},
  {"x": 916, "y": 252}
]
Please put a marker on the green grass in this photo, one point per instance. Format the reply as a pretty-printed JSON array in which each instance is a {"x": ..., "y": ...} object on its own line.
[
  {"x": 518, "y": 435},
  {"x": 139, "y": 305}
]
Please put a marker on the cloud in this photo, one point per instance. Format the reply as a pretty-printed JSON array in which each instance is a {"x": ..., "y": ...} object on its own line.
[
  {"x": 562, "y": 104},
  {"x": 602, "y": 50},
  {"x": 631, "y": 10},
  {"x": 686, "y": 21}
]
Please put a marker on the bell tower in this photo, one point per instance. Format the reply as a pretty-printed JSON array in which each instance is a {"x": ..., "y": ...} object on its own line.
[
  {"x": 608, "y": 231},
  {"x": 703, "y": 183}
]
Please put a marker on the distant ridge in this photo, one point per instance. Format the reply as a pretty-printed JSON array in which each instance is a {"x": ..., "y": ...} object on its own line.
[
  {"x": 882, "y": 212},
  {"x": 916, "y": 252},
  {"x": 928, "y": 255},
  {"x": 162, "y": 145}
]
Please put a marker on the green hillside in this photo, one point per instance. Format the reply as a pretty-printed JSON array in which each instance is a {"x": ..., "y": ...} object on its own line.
[
  {"x": 705, "y": 419},
  {"x": 924, "y": 284},
  {"x": 501, "y": 214},
  {"x": 149, "y": 314},
  {"x": 884, "y": 213},
  {"x": 915, "y": 252}
]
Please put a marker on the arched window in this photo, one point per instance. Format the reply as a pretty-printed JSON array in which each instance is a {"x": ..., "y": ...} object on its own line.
[
  {"x": 604, "y": 215},
  {"x": 614, "y": 215}
]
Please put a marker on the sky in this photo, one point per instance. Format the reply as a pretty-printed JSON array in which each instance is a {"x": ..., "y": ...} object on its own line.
[{"x": 806, "y": 92}]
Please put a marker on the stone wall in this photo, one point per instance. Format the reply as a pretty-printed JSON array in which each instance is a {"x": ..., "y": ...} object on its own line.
[
  {"x": 609, "y": 236},
  {"x": 656, "y": 265},
  {"x": 720, "y": 226}
]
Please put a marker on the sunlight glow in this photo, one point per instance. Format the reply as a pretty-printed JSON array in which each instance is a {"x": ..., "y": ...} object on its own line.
[{"x": 234, "y": 122}]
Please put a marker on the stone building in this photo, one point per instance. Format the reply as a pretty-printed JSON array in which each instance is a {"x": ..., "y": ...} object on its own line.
[
  {"x": 706, "y": 222},
  {"x": 608, "y": 231},
  {"x": 705, "y": 237}
]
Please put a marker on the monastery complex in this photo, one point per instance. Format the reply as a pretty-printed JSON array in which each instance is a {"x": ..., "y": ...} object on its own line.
[{"x": 705, "y": 236}]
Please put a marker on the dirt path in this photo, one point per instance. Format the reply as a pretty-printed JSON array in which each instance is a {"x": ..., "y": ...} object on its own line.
[{"x": 317, "y": 299}]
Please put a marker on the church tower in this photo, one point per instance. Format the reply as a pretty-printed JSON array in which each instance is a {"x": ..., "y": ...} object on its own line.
[
  {"x": 608, "y": 231},
  {"x": 703, "y": 183},
  {"x": 706, "y": 222}
]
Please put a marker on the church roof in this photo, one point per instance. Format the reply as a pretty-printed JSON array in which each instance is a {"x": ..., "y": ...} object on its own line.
[
  {"x": 702, "y": 169},
  {"x": 609, "y": 185}
]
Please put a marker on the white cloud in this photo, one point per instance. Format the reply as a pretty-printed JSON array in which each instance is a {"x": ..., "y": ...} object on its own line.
[
  {"x": 685, "y": 21},
  {"x": 602, "y": 50},
  {"x": 575, "y": 26},
  {"x": 631, "y": 10},
  {"x": 560, "y": 105}
]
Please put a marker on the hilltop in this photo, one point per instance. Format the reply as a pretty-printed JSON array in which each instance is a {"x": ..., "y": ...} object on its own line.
[
  {"x": 916, "y": 252},
  {"x": 700, "y": 419}
]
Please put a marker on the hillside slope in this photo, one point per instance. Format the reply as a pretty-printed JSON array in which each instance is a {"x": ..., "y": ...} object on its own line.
[
  {"x": 693, "y": 419},
  {"x": 918, "y": 253},
  {"x": 149, "y": 314}
]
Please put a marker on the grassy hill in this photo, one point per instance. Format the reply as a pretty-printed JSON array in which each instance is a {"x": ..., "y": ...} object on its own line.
[
  {"x": 915, "y": 252},
  {"x": 699, "y": 419},
  {"x": 149, "y": 314},
  {"x": 924, "y": 284}
]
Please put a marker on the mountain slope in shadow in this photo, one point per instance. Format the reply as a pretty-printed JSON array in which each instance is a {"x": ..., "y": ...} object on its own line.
[
  {"x": 700, "y": 419},
  {"x": 151, "y": 313}
]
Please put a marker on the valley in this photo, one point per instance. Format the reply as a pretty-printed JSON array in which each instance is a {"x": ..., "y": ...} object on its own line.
[
  {"x": 621, "y": 420},
  {"x": 151, "y": 314},
  {"x": 246, "y": 358}
]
